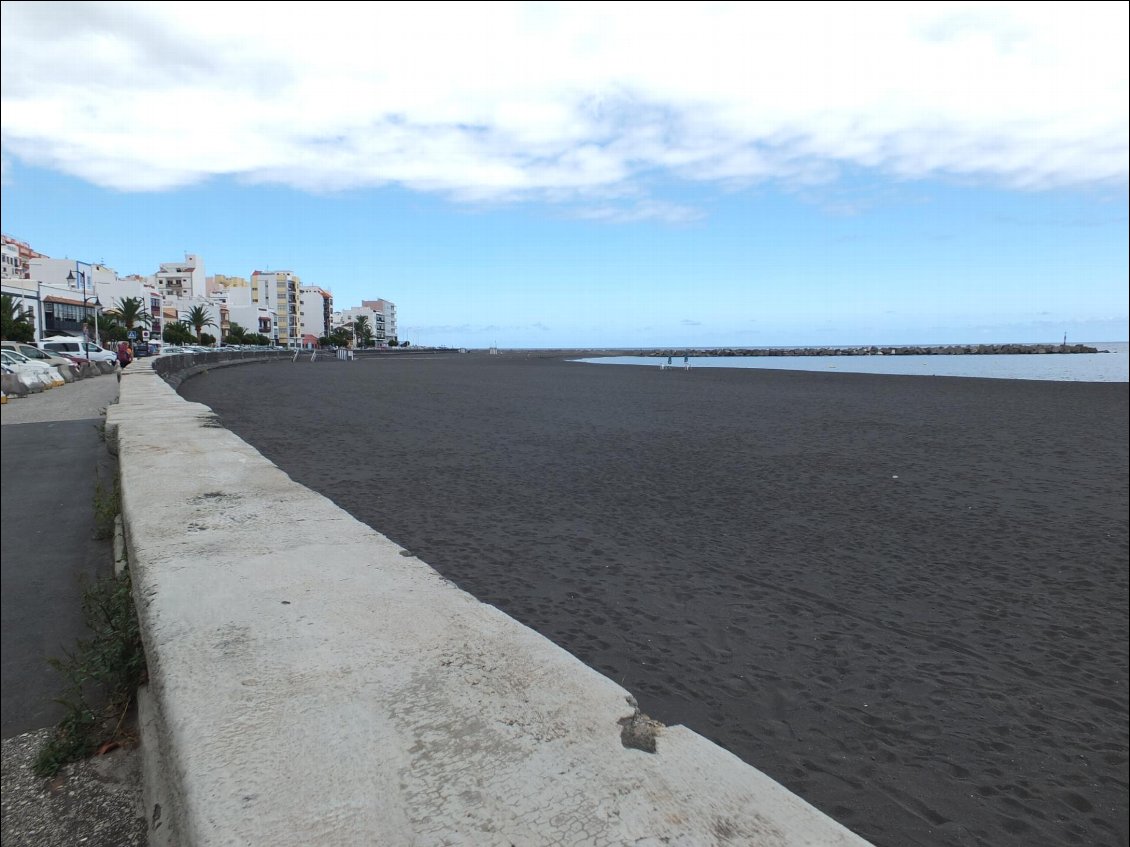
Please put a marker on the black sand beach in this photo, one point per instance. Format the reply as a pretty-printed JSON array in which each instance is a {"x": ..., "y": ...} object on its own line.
[{"x": 904, "y": 598}]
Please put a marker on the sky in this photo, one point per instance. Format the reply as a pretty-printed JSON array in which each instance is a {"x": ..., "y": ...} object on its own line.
[{"x": 595, "y": 175}]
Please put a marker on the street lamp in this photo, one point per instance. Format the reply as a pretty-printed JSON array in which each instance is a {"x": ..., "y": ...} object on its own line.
[{"x": 85, "y": 312}]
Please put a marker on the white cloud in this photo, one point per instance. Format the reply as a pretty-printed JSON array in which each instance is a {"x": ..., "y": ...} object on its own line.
[
  {"x": 637, "y": 209},
  {"x": 568, "y": 103}
]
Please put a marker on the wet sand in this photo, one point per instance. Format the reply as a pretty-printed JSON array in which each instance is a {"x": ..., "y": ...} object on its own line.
[{"x": 904, "y": 598}]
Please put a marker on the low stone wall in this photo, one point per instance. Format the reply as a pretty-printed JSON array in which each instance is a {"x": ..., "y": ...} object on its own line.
[
  {"x": 177, "y": 368},
  {"x": 313, "y": 683}
]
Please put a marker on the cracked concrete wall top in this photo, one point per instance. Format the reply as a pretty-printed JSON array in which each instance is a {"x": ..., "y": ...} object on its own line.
[{"x": 315, "y": 684}]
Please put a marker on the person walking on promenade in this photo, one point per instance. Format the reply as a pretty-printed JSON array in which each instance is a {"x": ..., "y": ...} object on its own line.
[{"x": 125, "y": 355}]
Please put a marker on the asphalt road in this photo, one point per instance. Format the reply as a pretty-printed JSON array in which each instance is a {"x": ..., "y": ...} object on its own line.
[{"x": 51, "y": 452}]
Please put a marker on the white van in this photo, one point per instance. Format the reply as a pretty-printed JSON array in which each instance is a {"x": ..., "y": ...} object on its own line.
[{"x": 76, "y": 347}]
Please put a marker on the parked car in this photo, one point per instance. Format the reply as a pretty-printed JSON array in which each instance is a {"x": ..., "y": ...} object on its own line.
[
  {"x": 35, "y": 354},
  {"x": 77, "y": 347},
  {"x": 30, "y": 371},
  {"x": 171, "y": 350}
]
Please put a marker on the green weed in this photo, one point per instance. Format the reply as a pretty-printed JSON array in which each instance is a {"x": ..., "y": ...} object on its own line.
[
  {"x": 107, "y": 507},
  {"x": 101, "y": 676},
  {"x": 103, "y": 672}
]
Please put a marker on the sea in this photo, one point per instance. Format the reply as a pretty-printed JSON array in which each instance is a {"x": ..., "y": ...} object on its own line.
[{"x": 1112, "y": 364}]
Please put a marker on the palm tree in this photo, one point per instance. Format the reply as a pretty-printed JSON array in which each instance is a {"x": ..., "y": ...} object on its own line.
[
  {"x": 236, "y": 334},
  {"x": 177, "y": 332},
  {"x": 198, "y": 318},
  {"x": 15, "y": 321},
  {"x": 361, "y": 329},
  {"x": 340, "y": 337},
  {"x": 130, "y": 310}
]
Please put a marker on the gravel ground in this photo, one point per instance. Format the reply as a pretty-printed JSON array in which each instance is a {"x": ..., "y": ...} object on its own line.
[{"x": 97, "y": 802}]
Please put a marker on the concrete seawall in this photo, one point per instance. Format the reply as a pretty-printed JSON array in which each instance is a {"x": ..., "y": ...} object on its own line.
[{"x": 313, "y": 683}]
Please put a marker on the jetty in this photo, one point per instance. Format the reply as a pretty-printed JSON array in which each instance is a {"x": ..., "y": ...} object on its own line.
[{"x": 886, "y": 350}]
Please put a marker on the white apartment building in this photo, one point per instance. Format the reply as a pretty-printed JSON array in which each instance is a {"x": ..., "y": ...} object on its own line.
[
  {"x": 68, "y": 274},
  {"x": 315, "y": 313},
  {"x": 183, "y": 280},
  {"x": 10, "y": 254},
  {"x": 213, "y": 308},
  {"x": 278, "y": 292},
  {"x": 60, "y": 293},
  {"x": 241, "y": 310},
  {"x": 385, "y": 312},
  {"x": 377, "y": 312},
  {"x": 17, "y": 256},
  {"x": 112, "y": 290},
  {"x": 65, "y": 294}
]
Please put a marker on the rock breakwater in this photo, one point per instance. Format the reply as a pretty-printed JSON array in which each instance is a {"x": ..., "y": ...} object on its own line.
[{"x": 912, "y": 350}]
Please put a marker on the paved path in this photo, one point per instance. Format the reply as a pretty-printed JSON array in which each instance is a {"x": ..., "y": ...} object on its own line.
[
  {"x": 51, "y": 450},
  {"x": 82, "y": 400}
]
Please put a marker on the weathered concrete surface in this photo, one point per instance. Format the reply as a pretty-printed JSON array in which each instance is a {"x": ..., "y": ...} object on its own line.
[{"x": 313, "y": 683}]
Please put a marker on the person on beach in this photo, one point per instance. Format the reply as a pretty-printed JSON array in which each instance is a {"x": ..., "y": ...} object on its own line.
[{"x": 125, "y": 355}]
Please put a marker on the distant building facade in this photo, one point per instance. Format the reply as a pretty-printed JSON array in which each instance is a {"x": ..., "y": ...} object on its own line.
[
  {"x": 315, "y": 312},
  {"x": 379, "y": 314},
  {"x": 385, "y": 319},
  {"x": 112, "y": 290},
  {"x": 252, "y": 317},
  {"x": 64, "y": 296},
  {"x": 278, "y": 292},
  {"x": 17, "y": 258},
  {"x": 220, "y": 283},
  {"x": 10, "y": 255},
  {"x": 183, "y": 280}
]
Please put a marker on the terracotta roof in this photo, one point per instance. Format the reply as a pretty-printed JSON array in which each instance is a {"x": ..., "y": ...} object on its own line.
[{"x": 50, "y": 298}]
